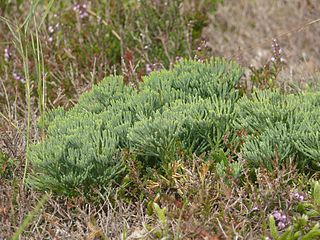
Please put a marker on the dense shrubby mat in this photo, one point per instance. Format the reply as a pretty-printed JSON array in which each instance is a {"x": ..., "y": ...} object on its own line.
[
  {"x": 79, "y": 152},
  {"x": 196, "y": 126},
  {"x": 280, "y": 126},
  {"x": 189, "y": 108}
]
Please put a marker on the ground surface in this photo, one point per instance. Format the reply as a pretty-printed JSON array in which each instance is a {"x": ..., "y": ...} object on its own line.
[{"x": 241, "y": 30}]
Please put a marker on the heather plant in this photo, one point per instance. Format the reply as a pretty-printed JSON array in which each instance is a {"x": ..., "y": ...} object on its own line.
[
  {"x": 267, "y": 76},
  {"x": 83, "y": 41},
  {"x": 189, "y": 108},
  {"x": 164, "y": 29},
  {"x": 305, "y": 225}
]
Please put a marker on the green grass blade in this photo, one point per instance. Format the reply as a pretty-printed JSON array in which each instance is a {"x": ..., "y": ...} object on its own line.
[{"x": 30, "y": 217}]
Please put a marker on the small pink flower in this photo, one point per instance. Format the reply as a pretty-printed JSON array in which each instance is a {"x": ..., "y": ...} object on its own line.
[
  {"x": 277, "y": 215},
  {"x": 298, "y": 196},
  {"x": 148, "y": 68},
  {"x": 281, "y": 225},
  {"x": 6, "y": 54},
  {"x": 50, "y": 29},
  {"x": 255, "y": 208}
]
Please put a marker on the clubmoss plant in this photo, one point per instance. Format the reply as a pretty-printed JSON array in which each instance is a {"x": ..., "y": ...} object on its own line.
[
  {"x": 189, "y": 108},
  {"x": 280, "y": 126}
]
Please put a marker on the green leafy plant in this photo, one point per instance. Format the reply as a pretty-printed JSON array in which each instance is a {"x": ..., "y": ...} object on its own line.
[
  {"x": 6, "y": 166},
  {"x": 163, "y": 29},
  {"x": 189, "y": 108},
  {"x": 304, "y": 226},
  {"x": 161, "y": 214},
  {"x": 83, "y": 41},
  {"x": 195, "y": 127},
  {"x": 31, "y": 215},
  {"x": 280, "y": 126},
  {"x": 80, "y": 156}
]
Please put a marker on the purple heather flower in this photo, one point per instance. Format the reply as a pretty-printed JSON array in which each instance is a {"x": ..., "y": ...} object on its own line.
[
  {"x": 298, "y": 196},
  {"x": 281, "y": 225},
  {"x": 84, "y": 14},
  {"x": 281, "y": 219},
  {"x": 6, "y": 54},
  {"x": 275, "y": 44},
  {"x": 255, "y": 208},
  {"x": 50, "y": 29},
  {"x": 148, "y": 68},
  {"x": 277, "y": 215},
  {"x": 81, "y": 10},
  {"x": 17, "y": 77},
  {"x": 76, "y": 7}
]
